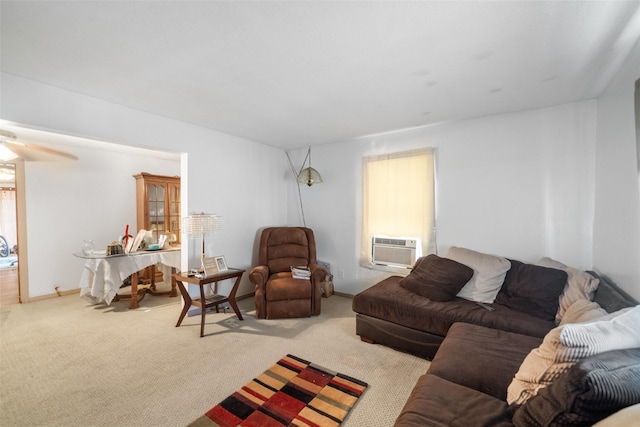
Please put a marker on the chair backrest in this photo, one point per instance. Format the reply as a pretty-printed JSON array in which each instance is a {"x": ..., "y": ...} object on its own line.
[{"x": 283, "y": 247}]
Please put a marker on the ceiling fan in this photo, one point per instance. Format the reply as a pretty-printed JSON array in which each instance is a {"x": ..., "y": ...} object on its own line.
[{"x": 11, "y": 148}]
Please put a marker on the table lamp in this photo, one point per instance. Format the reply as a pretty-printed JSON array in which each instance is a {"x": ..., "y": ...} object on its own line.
[{"x": 201, "y": 225}]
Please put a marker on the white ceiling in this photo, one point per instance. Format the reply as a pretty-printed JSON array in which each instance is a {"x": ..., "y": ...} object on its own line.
[{"x": 298, "y": 73}]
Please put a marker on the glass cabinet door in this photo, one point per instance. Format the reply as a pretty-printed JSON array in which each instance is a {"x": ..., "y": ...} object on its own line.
[
  {"x": 158, "y": 204},
  {"x": 173, "y": 216}
]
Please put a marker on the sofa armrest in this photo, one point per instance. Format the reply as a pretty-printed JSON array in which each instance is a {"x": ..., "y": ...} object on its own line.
[
  {"x": 259, "y": 275},
  {"x": 318, "y": 273}
]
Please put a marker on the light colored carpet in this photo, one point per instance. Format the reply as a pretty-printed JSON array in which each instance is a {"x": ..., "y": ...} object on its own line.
[{"x": 64, "y": 362}]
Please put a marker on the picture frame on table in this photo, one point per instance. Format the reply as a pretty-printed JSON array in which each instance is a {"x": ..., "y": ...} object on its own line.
[
  {"x": 221, "y": 263},
  {"x": 209, "y": 266}
]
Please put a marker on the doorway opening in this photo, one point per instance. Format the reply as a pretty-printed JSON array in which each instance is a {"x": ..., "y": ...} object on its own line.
[{"x": 9, "y": 277}]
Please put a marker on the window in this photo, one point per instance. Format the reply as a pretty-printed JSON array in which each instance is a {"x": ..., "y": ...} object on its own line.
[{"x": 398, "y": 199}]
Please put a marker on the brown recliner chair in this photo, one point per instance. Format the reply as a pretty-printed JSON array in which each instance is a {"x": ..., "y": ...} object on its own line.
[{"x": 278, "y": 294}]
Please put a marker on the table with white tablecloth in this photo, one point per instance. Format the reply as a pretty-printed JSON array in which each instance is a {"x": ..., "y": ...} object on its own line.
[{"x": 103, "y": 275}]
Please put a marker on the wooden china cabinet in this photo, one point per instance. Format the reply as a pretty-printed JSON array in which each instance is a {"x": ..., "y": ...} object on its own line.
[{"x": 158, "y": 210}]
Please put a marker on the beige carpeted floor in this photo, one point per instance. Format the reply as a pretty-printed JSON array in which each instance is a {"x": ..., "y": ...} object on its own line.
[{"x": 64, "y": 362}]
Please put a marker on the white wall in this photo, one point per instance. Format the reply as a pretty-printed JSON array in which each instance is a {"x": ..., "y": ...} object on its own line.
[
  {"x": 617, "y": 214},
  {"x": 519, "y": 185},
  {"x": 240, "y": 180}
]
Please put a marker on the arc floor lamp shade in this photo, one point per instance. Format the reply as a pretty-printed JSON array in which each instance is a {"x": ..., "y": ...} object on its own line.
[{"x": 308, "y": 175}]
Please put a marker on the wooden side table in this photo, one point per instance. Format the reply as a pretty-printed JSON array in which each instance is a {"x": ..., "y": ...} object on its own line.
[{"x": 209, "y": 301}]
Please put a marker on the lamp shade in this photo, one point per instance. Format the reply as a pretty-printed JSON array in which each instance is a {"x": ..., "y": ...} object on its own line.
[
  {"x": 309, "y": 176},
  {"x": 200, "y": 225}
]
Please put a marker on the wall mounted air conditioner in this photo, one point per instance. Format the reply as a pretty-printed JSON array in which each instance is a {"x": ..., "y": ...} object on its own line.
[{"x": 397, "y": 252}]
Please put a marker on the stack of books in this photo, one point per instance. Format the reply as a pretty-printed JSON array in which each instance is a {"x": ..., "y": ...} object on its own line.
[{"x": 301, "y": 272}]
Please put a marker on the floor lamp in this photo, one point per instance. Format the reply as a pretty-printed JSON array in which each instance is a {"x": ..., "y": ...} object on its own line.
[{"x": 307, "y": 176}]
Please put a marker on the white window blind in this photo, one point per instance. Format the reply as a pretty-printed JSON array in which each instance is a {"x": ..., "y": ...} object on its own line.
[{"x": 398, "y": 199}]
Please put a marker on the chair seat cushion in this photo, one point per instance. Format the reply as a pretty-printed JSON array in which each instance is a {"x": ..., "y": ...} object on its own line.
[{"x": 282, "y": 286}]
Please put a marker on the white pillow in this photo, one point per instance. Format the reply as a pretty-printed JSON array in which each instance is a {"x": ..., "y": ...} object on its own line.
[
  {"x": 613, "y": 332},
  {"x": 580, "y": 285},
  {"x": 489, "y": 272},
  {"x": 565, "y": 345}
]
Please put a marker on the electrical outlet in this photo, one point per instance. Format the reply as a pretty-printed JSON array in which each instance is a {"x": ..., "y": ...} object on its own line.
[{"x": 340, "y": 274}]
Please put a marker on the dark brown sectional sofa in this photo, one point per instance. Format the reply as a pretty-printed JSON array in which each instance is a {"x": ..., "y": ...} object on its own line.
[{"x": 475, "y": 354}]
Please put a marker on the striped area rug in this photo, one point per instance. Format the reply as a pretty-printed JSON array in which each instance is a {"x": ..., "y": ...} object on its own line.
[{"x": 293, "y": 392}]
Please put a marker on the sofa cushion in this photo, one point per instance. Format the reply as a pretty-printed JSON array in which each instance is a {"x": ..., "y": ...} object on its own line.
[
  {"x": 436, "y": 278},
  {"x": 391, "y": 302},
  {"x": 580, "y": 285},
  {"x": 502, "y": 351},
  {"x": 533, "y": 289},
  {"x": 488, "y": 273},
  {"x": 565, "y": 345},
  {"x": 435, "y": 401},
  {"x": 591, "y": 390}
]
